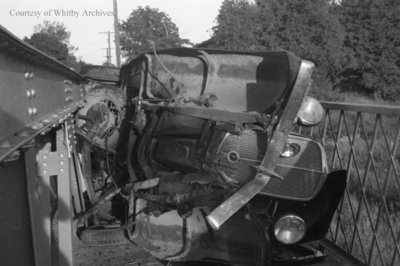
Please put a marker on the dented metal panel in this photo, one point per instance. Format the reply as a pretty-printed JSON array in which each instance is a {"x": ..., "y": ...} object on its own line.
[{"x": 240, "y": 81}]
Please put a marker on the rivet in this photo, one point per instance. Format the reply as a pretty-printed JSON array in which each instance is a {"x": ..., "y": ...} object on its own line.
[
  {"x": 23, "y": 134},
  {"x": 5, "y": 144},
  {"x": 61, "y": 162},
  {"x": 69, "y": 98},
  {"x": 26, "y": 75},
  {"x": 31, "y": 75},
  {"x": 62, "y": 170},
  {"x": 44, "y": 172},
  {"x": 33, "y": 93},
  {"x": 61, "y": 155},
  {"x": 44, "y": 164},
  {"x": 30, "y": 111},
  {"x": 28, "y": 94},
  {"x": 34, "y": 110},
  {"x": 45, "y": 157}
]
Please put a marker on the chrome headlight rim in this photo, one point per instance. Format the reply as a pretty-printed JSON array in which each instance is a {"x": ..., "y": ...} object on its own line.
[
  {"x": 311, "y": 112},
  {"x": 289, "y": 229},
  {"x": 290, "y": 149}
]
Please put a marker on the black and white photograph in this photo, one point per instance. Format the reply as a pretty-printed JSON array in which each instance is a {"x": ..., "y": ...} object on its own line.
[{"x": 199, "y": 132}]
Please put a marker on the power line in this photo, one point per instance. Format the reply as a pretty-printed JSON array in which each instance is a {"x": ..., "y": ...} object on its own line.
[{"x": 108, "y": 53}]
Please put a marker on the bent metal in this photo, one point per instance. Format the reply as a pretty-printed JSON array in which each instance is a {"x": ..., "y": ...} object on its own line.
[{"x": 188, "y": 153}]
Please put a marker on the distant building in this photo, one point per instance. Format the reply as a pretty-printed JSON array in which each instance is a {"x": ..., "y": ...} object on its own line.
[{"x": 210, "y": 43}]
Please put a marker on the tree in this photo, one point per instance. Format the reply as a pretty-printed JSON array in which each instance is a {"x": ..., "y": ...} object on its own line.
[
  {"x": 310, "y": 30},
  {"x": 52, "y": 38},
  {"x": 306, "y": 28},
  {"x": 146, "y": 27},
  {"x": 238, "y": 26},
  {"x": 373, "y": 35},
  {"x": 55, "y": 29},
  {"x": 49, "y": 45}
]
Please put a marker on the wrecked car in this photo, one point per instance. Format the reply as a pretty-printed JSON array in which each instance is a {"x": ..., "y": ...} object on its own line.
[{"x": 201, "y": 160}]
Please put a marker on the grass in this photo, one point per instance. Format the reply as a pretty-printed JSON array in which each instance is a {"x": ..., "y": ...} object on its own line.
[
  {"x": 367, "y": 224},
  {"x": 369, "y": 241}
]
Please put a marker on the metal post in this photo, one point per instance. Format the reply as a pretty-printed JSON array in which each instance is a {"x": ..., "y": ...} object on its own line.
[
  {"x": 116, "y": 35},
  {"x": 51, "y": 204},
  {"x": 109, "y": 49}
]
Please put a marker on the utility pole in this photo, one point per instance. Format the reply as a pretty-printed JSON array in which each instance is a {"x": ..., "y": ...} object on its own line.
[
  {"x": 108, "y": 56},
  {"x": 109, "y": 49},
  {"x": 116, "y": 35}
]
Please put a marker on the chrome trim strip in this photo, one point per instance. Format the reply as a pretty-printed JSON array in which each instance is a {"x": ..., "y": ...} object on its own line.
[
  {"x": 300, "y": 168},
  {"x": 266, "y": 169}
]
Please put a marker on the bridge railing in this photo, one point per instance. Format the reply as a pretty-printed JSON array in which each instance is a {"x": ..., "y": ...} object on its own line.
[{"x": 364, "y": 139}]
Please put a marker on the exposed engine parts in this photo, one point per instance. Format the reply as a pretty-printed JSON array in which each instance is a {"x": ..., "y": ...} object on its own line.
[
  {"x": 189, "y": 153},
  {"x": 197, "y": 160},
  {"x": 102, "y": 115}
]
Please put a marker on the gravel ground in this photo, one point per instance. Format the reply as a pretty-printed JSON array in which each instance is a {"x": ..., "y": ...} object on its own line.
[
  {"x": 128, "y": 253},
  {"x": 113, "y": 255}
]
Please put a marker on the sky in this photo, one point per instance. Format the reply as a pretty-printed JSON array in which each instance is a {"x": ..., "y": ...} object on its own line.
[{"x": 85, "y": 19}]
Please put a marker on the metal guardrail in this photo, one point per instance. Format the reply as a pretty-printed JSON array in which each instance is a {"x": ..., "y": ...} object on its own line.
[{"x": 364, "y": 139}]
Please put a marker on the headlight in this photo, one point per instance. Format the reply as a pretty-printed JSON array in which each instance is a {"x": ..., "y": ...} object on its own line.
[
  {"x": 311, "y": 112},
  {"x": 290, "y": 150},
  {"x": 289, "y": 229}
]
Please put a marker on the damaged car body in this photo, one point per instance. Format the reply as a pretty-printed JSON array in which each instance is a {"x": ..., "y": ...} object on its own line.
[{"x": 201, "y": 155}]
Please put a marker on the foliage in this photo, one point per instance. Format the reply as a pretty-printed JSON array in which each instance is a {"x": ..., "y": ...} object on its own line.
[
  {"x": 307, "y": 28},
  {"x": 48, "y": 44},
  {"x": 52, "y": 38},
  {"x": 55, "y": 29},
  {"x": 363, "y": 144},
  {"x": 355, "y": 44},
  {"x": 238, "y": 26},
  {"x": 372, "y": 183},
  {"x": 373, "y": 35},
  {"x": 147, "y": 27}
]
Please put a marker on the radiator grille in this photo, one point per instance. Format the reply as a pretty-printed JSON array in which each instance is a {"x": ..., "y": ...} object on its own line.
[
  {"x": 309, "y": 157},
  {"x": 303, "y": 174},
  {"x": 297, "y": 184}
]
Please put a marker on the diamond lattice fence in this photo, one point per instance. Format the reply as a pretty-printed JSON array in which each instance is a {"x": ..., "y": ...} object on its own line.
[{"x": 364, "y": 140}]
